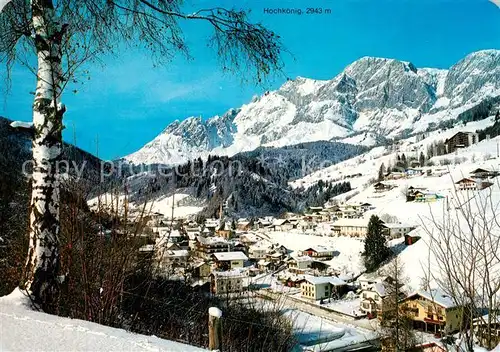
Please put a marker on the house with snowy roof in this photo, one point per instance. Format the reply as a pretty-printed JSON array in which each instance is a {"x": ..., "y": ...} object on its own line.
[
  {"x": 433, "y": 311},
  {"x": 206, "y": 246},
  {"x": 372, "y": 299},
  {"x": 397, "y": 229},
  {"x": 282, "y": 225},
  {"x": 369, "y": 279},
  {"x": 223, "y": 282},
  {"x": 322, "y": 287},
  {"x": 350, "y": 227},
  {"x": 469, "y": 184},
  {"x": 299, "y": 264},
  {"x": 229, "y": 260},
  {"x": 259, "y": 250},
  {"x": 319, "y": 252}
]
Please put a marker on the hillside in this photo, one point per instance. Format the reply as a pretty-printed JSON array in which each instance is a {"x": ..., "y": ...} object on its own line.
[{"x": 445, "y": 170}]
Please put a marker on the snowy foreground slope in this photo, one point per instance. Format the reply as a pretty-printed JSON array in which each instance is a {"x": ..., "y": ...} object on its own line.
[
  {"x": 372, "y": 99},
  {"x": 22, "y": 329}
]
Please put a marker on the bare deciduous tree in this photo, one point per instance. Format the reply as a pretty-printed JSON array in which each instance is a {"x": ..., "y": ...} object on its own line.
[
  {"x": 62, "y": 35},
  {"x": 398, "y": 326},
  {"x": 464, "y": 261}
]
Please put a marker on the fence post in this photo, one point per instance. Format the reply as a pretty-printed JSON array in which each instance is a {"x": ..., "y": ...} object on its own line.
[{"x": 214, "y": 329}]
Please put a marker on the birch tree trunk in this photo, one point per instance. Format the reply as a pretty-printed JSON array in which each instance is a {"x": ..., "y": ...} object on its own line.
[{"x": 43, "y": 255}]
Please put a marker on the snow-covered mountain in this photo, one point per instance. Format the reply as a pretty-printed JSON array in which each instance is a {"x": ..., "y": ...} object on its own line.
[{"x": 372, "y": 99}]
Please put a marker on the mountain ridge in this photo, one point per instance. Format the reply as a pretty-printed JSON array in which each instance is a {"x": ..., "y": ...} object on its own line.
[{"x": 371, "y": 99}]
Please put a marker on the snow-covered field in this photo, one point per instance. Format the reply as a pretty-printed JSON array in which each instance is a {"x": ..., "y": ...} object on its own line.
[
  {"x": 23, "y": 329},
  {"x": 161, "y": 205},
  {"x": 348, "y": 249}
]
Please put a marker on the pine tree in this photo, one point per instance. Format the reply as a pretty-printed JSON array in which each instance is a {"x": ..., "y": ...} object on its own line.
[
  {"x": 376, "y": 250},
  {"x": 404, "y": 161},
  {"x": 381, "y": 172},
  {"x": 422, "y": 159},
  {"x": 497, "y": 116}
]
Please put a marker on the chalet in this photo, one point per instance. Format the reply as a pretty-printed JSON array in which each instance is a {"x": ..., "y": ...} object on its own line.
[
  {"x": 461, "y": 140},
  {"x": 320, "y": 266},
  {"x": 264, "y": 265},
  {"x": 282, "y": 225},
  {"x": 264, "y": 223},
  {"x": 206, "y": 246},
  {"x": 319, "y": 252},
  {"x": 397, "y": 230},
  {"x": 364, "y": 206},
  {"x": 243, "y": 225},
  {"x": 259, "y": 250},
  {"x": 294, "y": 223},
  {"x": 229, "y": 260},
  {"x": 306, "y": 224},
  {"x": 211, "y": 225},
  {"x": 350, "y": 227},
  {"x": 155, "y": 218},
  {"x": 322, "y": 287},
  {"x": 224, "y": 233},
  {"x": 480, "y": 173},
  {"x": 200, "y": 270},
  {"x": 174, "y": 257},
  {"x": 433, "y": 311},
  {"x": 411, "y": 192},
  {"x": 226, "y": 282},
  {"x": 492, "y": 335},
  {"x": 466, "y": 184},
  {"x": 239, "y": 247},
  {"x": 426, "y": 197},
  {"x": 394, "y": 175},
  {"x": 292, "y": 280},
  {"x": 372, "y": 299},
  {"x": 413, "y": 172},
  {"x": 367, "y": 280},
  {"x": 275, "y": 257},
  {"x": 299, "y": 264},
  {"x": 350, "y": 212},
  {"x": 381, "y": 187},
  {"x": 248, "y": 239}
]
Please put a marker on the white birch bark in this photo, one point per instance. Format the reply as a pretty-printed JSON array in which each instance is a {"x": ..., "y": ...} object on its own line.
[{"x": 43, "y": 256}]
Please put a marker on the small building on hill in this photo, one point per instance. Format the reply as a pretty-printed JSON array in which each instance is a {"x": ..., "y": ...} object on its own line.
[
  {"x": 466, "y": 184},
  {"x": 381, "y": 187},
  {"x": 461, "y": 140},
  {"x": 322, "y": 287},
  {"x": 319, "y": 252},
  {"x": 469, "y": 184},
  {"x": 480, "y": 173},
  {"x": 397, "y": 230}
]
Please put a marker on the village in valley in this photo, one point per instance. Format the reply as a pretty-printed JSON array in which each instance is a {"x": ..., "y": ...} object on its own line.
[{"x": 313, "y": 262}]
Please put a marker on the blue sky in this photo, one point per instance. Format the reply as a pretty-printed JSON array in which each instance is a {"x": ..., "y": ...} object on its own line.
[{"x": 128, "y": 102}]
